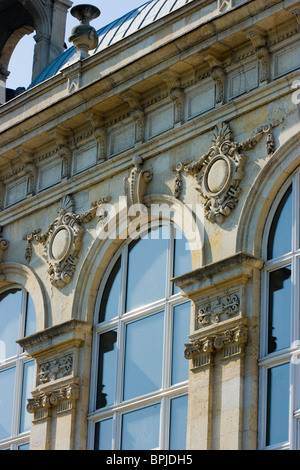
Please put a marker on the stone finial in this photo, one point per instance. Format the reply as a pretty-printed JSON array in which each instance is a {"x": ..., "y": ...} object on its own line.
[{"x": 84, "y": 36}]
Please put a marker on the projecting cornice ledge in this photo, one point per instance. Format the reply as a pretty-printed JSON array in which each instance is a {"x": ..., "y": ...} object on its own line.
[{"x": 232, "y": 271}]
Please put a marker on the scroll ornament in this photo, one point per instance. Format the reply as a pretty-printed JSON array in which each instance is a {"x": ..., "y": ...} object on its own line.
[
  {"x": 62, "y": 240},
  {"x": 219, "y": 172}
]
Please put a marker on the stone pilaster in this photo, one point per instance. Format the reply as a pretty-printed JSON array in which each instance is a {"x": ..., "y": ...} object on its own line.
[{"x": 222, "y": 351}]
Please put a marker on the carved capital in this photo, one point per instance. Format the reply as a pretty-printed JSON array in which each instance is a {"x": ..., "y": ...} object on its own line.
[{"x": 64, "y": 398}]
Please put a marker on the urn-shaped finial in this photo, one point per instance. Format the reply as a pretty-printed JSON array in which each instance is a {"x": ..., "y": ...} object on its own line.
[{"x": 84, "y": 36}]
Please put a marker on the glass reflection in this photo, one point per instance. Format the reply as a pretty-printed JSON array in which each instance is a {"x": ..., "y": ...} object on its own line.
[
  {"x": 110, "y": 300},
  {"x": 146, "y": 278},
  {"x": 143, "y": 356},
  {"x": 278, "y": 404},
  {"x": 181, "y": 316},
  {"x": 7, "y": 383},
  {"x": 140, "y": 429},
  {"x": 280, "y": 238},
  {"x": 178, "y": 423},
  {"x": 103, "y": 435},
  {"x": 25, "y": 418},
  {"x": 279, "y": 309},
  {"x": 107, "y": 369},
  {"x": 30, "y": 325},
  {"x": 10, "y": 311}
]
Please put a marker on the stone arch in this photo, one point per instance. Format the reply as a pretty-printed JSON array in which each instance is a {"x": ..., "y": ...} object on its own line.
[
  {"x": 262, "y": 194},
  {"x": 13, "y": 274},
  {"x": 105, "y": 247}
]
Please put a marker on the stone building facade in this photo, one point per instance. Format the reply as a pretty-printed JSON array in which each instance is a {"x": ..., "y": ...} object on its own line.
[{"x": 149, "y": 193}]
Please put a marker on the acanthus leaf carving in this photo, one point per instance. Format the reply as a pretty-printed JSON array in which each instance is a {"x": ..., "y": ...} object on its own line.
[{"x": 136, "y": 184}]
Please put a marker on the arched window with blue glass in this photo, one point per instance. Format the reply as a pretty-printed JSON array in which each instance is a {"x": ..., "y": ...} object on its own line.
[
  {"x": 17, "y": 320},
  {"x": 279, "y": 359},
  {"x": 139, "y": 398}
]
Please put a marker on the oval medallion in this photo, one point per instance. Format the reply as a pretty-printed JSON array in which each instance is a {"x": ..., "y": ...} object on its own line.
[
  {"x": 60, "y": 244},
  {"x": 217, "y": 175}
]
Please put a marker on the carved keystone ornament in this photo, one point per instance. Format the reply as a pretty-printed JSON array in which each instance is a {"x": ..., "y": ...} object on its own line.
[
  {"x": 219, "y": 172},
  {"x": 63, "y": 240}
]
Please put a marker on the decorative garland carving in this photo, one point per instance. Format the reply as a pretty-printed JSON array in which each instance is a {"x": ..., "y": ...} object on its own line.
[
  {"x": 55, "y": 369},
  {"x": 62, "y": 240},
  {"x": 214, "y": 311},
  {"x": 219, "y": 172}
]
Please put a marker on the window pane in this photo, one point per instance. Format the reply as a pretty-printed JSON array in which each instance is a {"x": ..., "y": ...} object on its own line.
[
  {"x": 7, "y": 384},
  {"x": 140, "y": 429},
  {"x": 30, "y": 326},
  {"x": 182, "y": 257},
  {"x": 10, "y": 310},
  {"x": 103, "y": 435},
  {"x": 279, "y": 309},
  {"x": 146, "y": 270},
  {"x": 278, "y": 404},
  {"x": 107, "y": 369},
  {"x": 280, "y": 238},
  {"x": 181, "y": 321},
  {"x": 24, "y": 446},
  {"x": 178, "y": 423},
  {"x": 110, "y": 300},
  {"x": 28, "y": 376},
  {"x": 143, "y": 356}
]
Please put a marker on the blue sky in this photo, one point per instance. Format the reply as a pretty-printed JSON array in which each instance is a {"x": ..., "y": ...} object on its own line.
[{"x": 20, "y": 65}]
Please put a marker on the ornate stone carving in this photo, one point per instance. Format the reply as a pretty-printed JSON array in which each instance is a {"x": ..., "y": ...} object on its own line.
[
  {"x": 64, "y": 398},
  {"x": 218, "y": 75},
  {"x": 61, "y": 137},
  {"x": 219, "y": 172},
  {"x": 62, "y": 240},
  {"x": 135, "y": 185},
  {"x": 133, "y": 100},
  {"x": 258, "y": 38},
  {"x": 231, "y": 341},
  {"x": 218, "y": 309},
  {"x": 55, "y": 369},
  {"x": 100, "y": 133},
  {"x": 26, "y": 156},
  {"x": 177, "y": 95}
]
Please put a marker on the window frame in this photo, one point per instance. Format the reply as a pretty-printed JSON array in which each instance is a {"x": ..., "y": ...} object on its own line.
[
  {"x": 18, "y": 361},
  {"x": 288, "y": 354},
  {"x": 167, "y": 392}
]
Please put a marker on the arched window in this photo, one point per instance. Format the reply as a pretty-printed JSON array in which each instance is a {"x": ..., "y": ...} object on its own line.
[
  {"x": 280, "y": 345},
  {"x": 17, "y": 319},
  {"x": 140, "y": 393}
]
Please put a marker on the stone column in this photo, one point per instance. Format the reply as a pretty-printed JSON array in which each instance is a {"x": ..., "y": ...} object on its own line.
[
  {"x": 60, "y": 395},
  {"x": 223, "y": 352}
]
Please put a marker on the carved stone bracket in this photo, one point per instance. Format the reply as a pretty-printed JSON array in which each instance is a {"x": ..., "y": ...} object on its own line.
[
  {"x": 64, "y": 398},
  {"x": 258, "y": 38},
  {"x": 136, "y": 184},
  {"x": 100, "y": 133},
  {"x": 176, "y": 93},
  {"x": 231, "y": 341},
  {"x": 133, "y": 100},
  {"x": 26, "y": 157},
  {"x": 62, "y": 240},
  {"x": 219, "y": 172},
  {"x": 218, "y": 75}
]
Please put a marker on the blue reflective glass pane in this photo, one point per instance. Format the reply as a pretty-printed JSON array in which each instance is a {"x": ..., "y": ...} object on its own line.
[
  {"x": 30, "y": 326},
  {"x": 181, "y": 329},
  {"x": 146, "y": 280},
  {"x": 24, "y": 446},
  {"x": 279, "y": 309},
  {"x": 280, "y": 238},
  {"x": 278, "y": 405},
  {"x": 110, "y": 300},
  {"x": 7, "y": 385},
  {"x": 182, "y": 257},
  {"x": 143, "y": 356},
  {"x": 103, "y": 435},
  {"x": 10, "y": 311},
  {"x": 27, "y": 386},
  {"x": 140, "y": 429},
  {"x": 107, "y": 369},
  {"x": 178, "y": 423}
]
